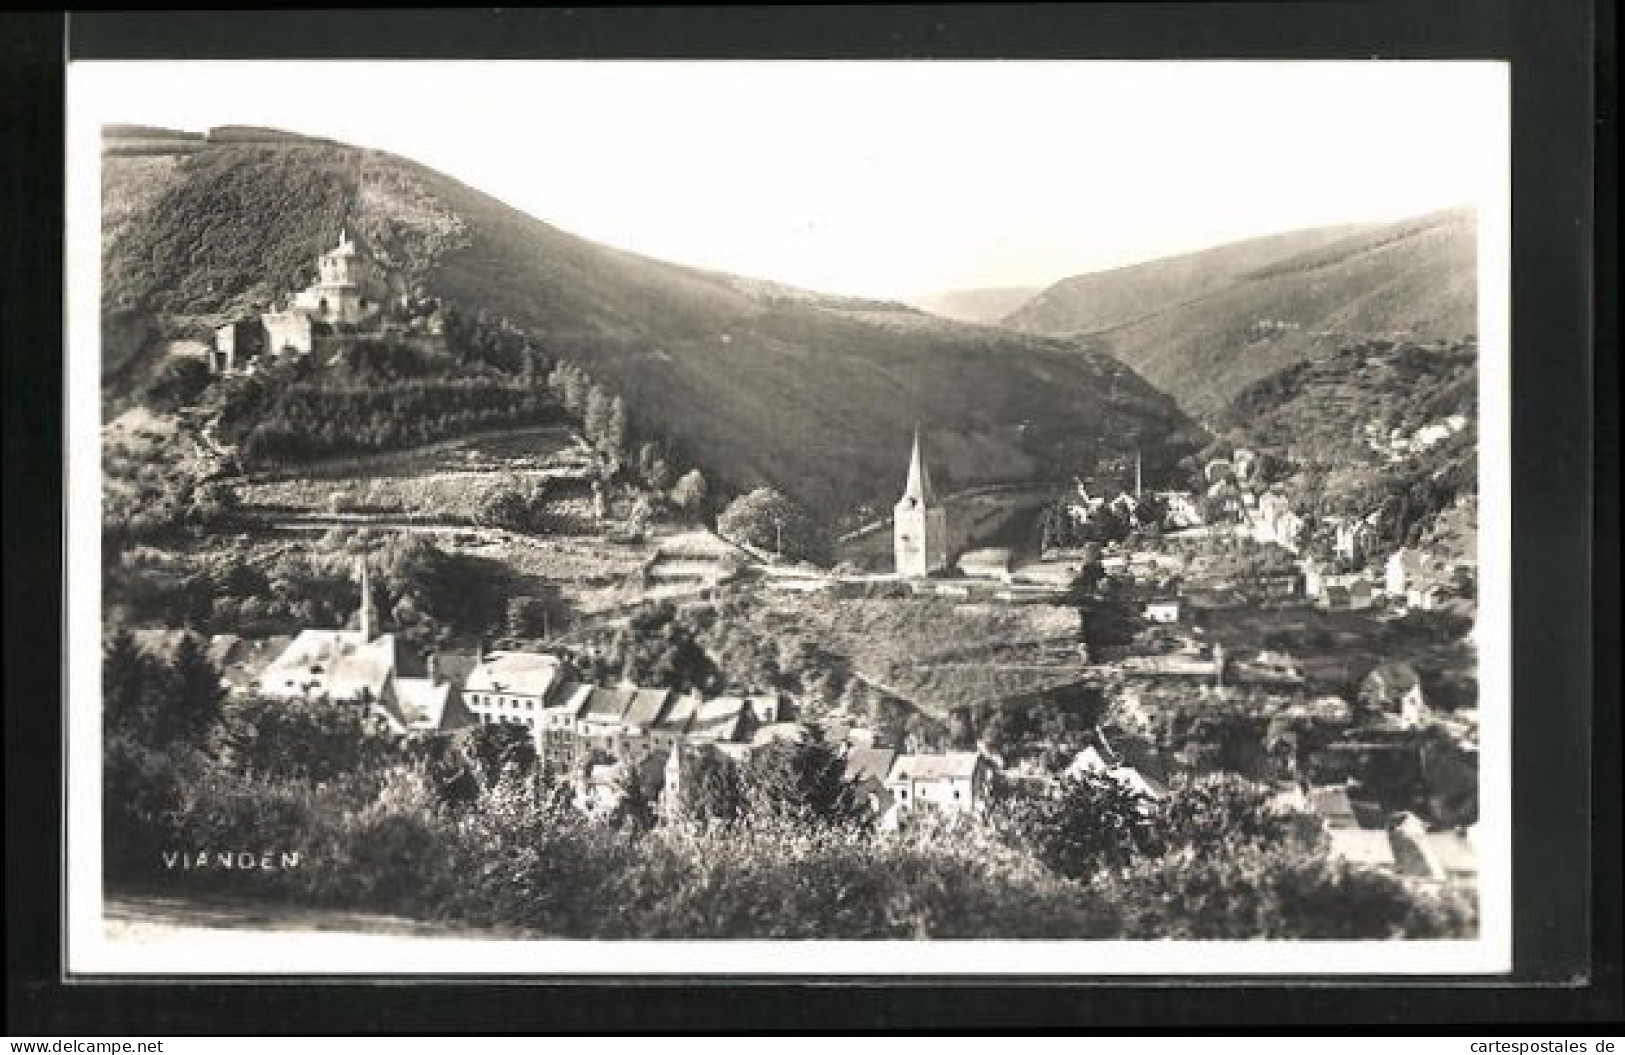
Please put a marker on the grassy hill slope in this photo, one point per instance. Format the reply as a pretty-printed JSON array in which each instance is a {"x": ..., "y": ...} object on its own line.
[
  {"x": 755, "y": 382},
  {"x": 1203, "y": 327}
]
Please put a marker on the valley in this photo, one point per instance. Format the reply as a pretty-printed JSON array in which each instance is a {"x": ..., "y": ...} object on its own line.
[{"x": 451, "y": 535}]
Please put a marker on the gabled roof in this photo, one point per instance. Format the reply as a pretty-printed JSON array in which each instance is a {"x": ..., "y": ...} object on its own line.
[
  {"x": 516, "y": 673},
  {"x": 677, "y": 717},
  {"x": 1362, "y": 846},
  {"x": 572, "y": 697},
  {"x": 607, "y": 705},
  {"x": 869, "y": 763},
  {"x": 421, "y": 703},
  {"x": 646, "y": 707},
  {"x": 717, "y": 719},
  {"x": 955, "y": 765},
  {"x": 339, "y": 664},
  {"x": 1333, "y": 805}
]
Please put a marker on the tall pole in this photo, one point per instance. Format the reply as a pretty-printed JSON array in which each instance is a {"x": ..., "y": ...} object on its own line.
[{"x": 1137, "y": 482}]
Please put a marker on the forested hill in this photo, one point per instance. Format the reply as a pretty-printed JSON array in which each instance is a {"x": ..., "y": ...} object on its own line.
[
  {"x": 753, "y": 381},
  {"x": 1205, "y": 325}
]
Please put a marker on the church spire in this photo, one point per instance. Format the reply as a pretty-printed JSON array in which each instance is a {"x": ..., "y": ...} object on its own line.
[
  {"x": 919, "y": 480},
  {"x": 366, "y": 601}
]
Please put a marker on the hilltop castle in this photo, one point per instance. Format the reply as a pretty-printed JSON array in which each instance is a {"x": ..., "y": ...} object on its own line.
[
  {"x": 350, "y": 292},
  {"x": 919, "y": 523}
]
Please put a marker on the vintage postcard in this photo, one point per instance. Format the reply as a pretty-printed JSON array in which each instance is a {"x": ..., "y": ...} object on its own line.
[{"x": 885, "y": 518}]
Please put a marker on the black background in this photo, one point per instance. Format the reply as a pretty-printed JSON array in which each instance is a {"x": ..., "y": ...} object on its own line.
[{"x": 1565, "y": 518}]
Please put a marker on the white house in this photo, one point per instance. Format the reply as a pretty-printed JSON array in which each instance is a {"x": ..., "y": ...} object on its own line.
[
  {"x": 952, "y": 783},
  {"x": 1162, "y": 610}
]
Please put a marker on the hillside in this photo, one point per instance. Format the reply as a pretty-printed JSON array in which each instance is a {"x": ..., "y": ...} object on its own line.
[
  {"x": 1377, "y": 425},
  {"x": 1204, "y": 326},
  {"x": 753, "y": 381},
  {"x": 976, "y": 305}
]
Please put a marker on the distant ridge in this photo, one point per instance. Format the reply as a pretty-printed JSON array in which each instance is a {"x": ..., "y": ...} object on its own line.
[
  {"x": 1204, "y": 325},
  {"x": 988, "y": 305}
]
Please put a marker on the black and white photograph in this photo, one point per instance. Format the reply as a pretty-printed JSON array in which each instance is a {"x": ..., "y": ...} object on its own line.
[{"x": 1028, "y": 517}]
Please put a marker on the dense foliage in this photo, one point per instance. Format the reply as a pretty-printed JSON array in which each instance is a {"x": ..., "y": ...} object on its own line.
[
  {"x": 419, "y": 589},
  {"x": 305, "y": 422},
  {"x": 471, "y": 828},
  {"x": 768, "y": 520}
]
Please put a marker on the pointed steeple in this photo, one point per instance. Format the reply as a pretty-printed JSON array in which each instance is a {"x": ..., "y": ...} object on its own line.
[
  {"x": 919, "y": 480},
  {"x": 366, "y": 601}
]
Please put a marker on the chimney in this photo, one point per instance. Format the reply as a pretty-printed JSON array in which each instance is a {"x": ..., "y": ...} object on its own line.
[{"x": 429, "y": 661}]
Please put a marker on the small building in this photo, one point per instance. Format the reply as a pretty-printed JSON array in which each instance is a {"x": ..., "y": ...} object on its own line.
[
  {"x": 235, "y": 344},
  {"x": 952, "y": 783},
  {"x": 1396, "y": 689},
  {"x": 1162, "y": 610},
  {"x": 512, "y": 687},
  {"x": 288, "y": 332},
  {"x": 358, "y": 667}
]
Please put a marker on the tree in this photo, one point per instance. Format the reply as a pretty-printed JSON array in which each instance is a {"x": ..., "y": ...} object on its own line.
[
  {"x": 129, "y": 684},
  {"x": 499, "y": 748},
  {"x": 613, "y": 440},
  {"x": 689, "y": 493},
  {"x": 512, "y": 506},
  {"x": 767, "y": 519},
  {"x": 595, "y": 416},
  {"x": 178, "y": 384},
  {"x": 194, "y": 691},
  {"x": 802, "y": 781},
  {"x": 1090, "y": 823},
  {"x": 1106, "y": 615},
  {"x": 1215, "y": 814},
  {"x": 210, "y": 503},
  {"x": 531, "y": 616},
  {"x": 658, "y": 647},
  {"x": 712, "y": 788},
  {"x": 634, "y": 809}
]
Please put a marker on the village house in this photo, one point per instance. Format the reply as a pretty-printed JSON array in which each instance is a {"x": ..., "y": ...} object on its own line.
[
  {"x": 357, "y": 666},
  {"x": 1395, "y": 689},
  {"x": 1098, "y": 759},
  {"x": 569, "y": 719},
  {"x": 952, "y": 783},
  {"x": 511, "y": 687},
  {"x": 1163, "y": 610}
]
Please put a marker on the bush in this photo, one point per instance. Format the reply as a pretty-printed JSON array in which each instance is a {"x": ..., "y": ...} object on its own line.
[
  {"x": 768, "y": 520},
  {"x": 1261, "y": 892}
]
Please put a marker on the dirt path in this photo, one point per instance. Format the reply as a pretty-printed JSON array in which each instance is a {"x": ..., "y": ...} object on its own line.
[{"x": 149, "y": 918}]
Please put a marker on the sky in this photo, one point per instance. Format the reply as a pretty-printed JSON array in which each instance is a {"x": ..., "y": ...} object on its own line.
[{"x": 888, "y": 179}]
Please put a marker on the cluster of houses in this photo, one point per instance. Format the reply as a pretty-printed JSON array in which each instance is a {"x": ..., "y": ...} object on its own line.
[{"x": 1396, "y": 445}]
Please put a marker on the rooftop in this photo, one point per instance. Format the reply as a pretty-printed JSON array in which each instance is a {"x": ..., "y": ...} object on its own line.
[
  {"x": 515, "y": 673},
  {"x": 955, "y": 765}
]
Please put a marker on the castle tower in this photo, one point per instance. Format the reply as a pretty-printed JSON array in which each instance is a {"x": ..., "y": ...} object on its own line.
[
  {"x": 919, "y": 523},
  {"x": 348, "y": 288}
]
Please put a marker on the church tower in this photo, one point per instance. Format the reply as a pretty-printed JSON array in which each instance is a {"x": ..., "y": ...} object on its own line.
[
  {"x": 367, "y": 614},
  {"x": 919, "y": 523}
]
